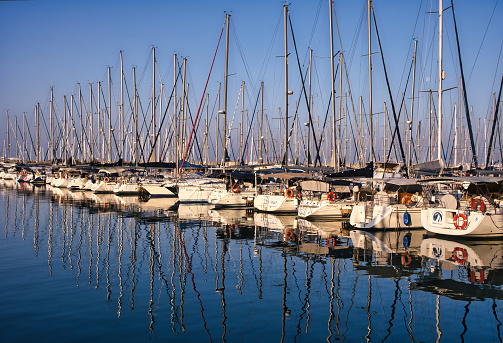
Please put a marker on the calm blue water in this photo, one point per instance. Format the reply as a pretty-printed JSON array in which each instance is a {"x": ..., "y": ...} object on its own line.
[{"x": 80, "y": 267}]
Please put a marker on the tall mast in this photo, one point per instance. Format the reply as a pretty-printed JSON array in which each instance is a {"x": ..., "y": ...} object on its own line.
[
  {"x": 101, "y": 126},
  {"x": 37, "y": 131},
  {"x": 158, "y": 153},
  {"x": 182, "y": 124},
  {"x": 206, "y": 127},
  {"x": 412, "y": 107},
  {"x": 25, "y": 157},
  {"x": 226, "y": 77},
  {"x": 91, "y": 123},
  {"x": 176, "y": 148},
  {"x": 285, "y": 7},
  {"x": 68, "y": 129},
  {"x": 340, "y": 115},
  {"x": 109, "y": 115},
  {"x": 370, "y": 85},
  {"x": 309, "y": 100},
  {"x": 15, "y": 136},
  {"x": 8, "y": 135},
  {"x": 241, "y": 143},
  {"x": 440, "y": 77},
  {"x": 336, "y": 157},
  {"x": 261, "y": 140},
  {"x": 217, "y": 126},
  {"x": 82, "y": 128},
  {"x": 135, "y": 118},
  {"x": 153, "y": 126},
  {"x": 51, "y": 126},
  {"x": 121, "y": 111}
]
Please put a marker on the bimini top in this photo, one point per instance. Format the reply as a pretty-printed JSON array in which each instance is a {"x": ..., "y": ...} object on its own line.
[
  {"x": 463, "y": 179},
  {"x": 287, "y": 175}
]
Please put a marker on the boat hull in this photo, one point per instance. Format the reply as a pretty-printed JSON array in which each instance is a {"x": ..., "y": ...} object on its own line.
[
  {"x": 478, "y": 224},
  {"x": 385, "y": 217},
  {"x": 276, "y": 203}
]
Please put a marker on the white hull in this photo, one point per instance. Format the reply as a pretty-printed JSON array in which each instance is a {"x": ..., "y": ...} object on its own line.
[
  {"x": 384, "y": 217},
  {"x": 103, "y": 187},
  {"x": 313, "y": 209},
  {"x": 276, "y": 203},
  {"x": 225, "y": 198},
  {"x": 194, "y": 193},
  {"x": 9, "y": 176},
  {"x": 478, "y": 224},
  {"x": 126, "y": 189},
  {"x": 157, "y": 190},
  {"x": 77, "y": 183}
]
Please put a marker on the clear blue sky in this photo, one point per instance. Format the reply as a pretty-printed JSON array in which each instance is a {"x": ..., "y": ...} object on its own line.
[{"x": 63, "y": 43}]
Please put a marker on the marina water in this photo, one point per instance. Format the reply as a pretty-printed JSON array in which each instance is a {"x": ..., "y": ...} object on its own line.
[{"x": 86, "y": 267}]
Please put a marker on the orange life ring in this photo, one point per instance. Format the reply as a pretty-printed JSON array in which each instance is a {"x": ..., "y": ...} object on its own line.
[
  {"x": 464, "y": 222},
  {"x": 235, "y": 188},
  {"x": 106, "y": 179},
  {"x": 330, "y": 242},
  {"x": 406, "y": 259},
  {"x": 406, "y": 200},
  {"x": 476, "y": 202},
  {"x": 456, "y": 257},
  {"x": 288, "y": 235},
  {"x": 331, "y": 196},
  {"x": 289, "y": 192}
]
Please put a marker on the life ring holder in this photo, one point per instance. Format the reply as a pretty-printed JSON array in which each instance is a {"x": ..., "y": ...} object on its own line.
[
  {"x": 464, "y": 222},
  {"x": 331, "y": 196},
  {"x": 289, "y": 192},
  {"x": 456, "y": 257},
  {"x": 235, "y": 188},
  {"x": 477, "y": 201}
]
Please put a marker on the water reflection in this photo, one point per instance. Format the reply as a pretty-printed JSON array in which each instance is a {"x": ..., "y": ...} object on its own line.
[{"x": 181, "y": 271}]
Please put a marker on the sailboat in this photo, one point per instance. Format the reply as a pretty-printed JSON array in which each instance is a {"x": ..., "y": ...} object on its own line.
[
  {"x": 397, "y": 205},
  {"x": 477, "y": 213}
]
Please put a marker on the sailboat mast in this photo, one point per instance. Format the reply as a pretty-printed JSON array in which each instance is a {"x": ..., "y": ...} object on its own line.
[
  {"x": 412, "y": 106},
  {"x": 261, "y": 140},
  {"x": 153, "y": 126},
  {"x": 182, "y": 123},
  {"x": 176, "y": 148},
  {"x": 8, "y": 135},
  {"x": 285, "y": 8},
  {"x": 369, "y": 3},
  {"x": 226, "y": 76},
  {"x": 440, "y": 76},
  {"x": 109, "y": 115},
  {"x": 135, "y": 118},
  {"x": 332, "y": 78},
  {"x": 37, "y": 132},
  {"x": 310, "y": 108},
  {"x": 241, "y": 143},
  {"x": 51, "y": 126},
  {"x": 91, "y": 123},
  {"x": 121, "y": 112}
]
